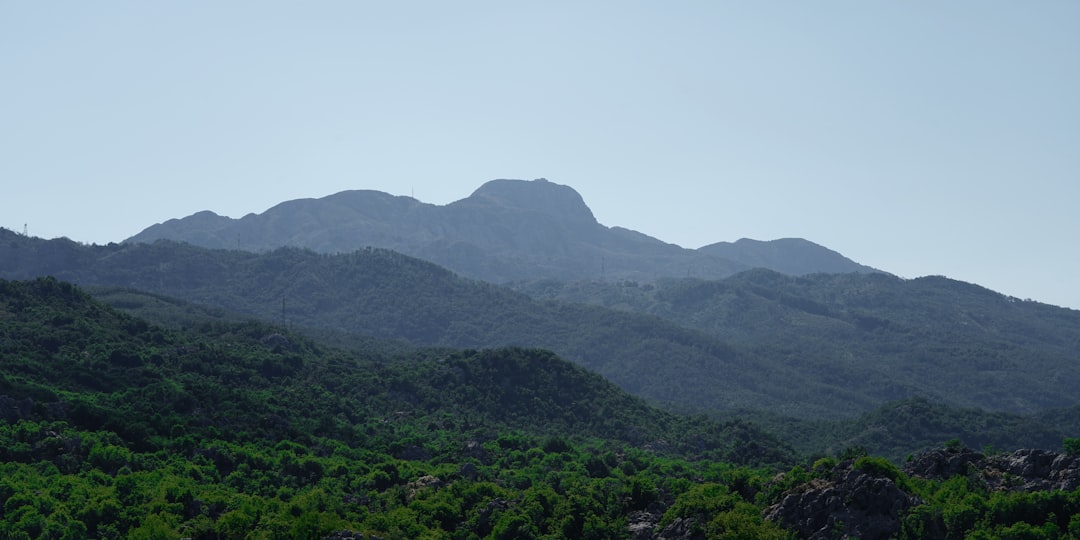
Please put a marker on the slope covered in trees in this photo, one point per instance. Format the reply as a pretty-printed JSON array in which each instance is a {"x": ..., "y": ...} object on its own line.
[
  {"x": 811, "y": 347},
  {"x": 894, "y": 430},
  {"x": 931, "y": 337},
  {"x": 134, "y": 429},
  {"x": 112, "y": 427},
  {"x": 388, "y": 295}
]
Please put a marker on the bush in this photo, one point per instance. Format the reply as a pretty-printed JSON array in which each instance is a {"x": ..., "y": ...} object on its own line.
[
  {"x": 877, "y": 466},
  {"x": 1071, "y": 446}
]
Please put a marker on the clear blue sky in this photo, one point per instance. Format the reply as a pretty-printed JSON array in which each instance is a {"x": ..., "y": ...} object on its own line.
[{"x": 916, "y": 137}]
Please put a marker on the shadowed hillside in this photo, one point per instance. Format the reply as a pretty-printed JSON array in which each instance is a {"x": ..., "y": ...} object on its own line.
[{"x": 762, "y": 340}]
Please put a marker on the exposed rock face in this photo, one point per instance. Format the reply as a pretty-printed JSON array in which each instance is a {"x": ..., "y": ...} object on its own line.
[
  {"x": 641, "y": 525},
  {"x": 681, "y": 529},
  {"x": 1022, "y": 470},
  {"x": 943, "y": 463},
  {"x": 855, "y": 504},
  {"x": 422, "y": 483},
  {"x": 1033, "y": 470},
  {"x": 862, "y": 504}
]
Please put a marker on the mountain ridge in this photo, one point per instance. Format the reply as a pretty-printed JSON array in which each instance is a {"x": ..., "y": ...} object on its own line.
[
  {"x": 506, "y": 230},
  {"x": 821, "y": 346}
]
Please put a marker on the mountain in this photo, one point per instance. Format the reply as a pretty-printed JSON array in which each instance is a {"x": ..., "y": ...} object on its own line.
[
  {"x": 933, "y": 337},
  {"x": 893, "y": 430},
  {"x": 388, "y": 295},
  {"x": 507, "y": 230},
  {"x": 61, "y": 344},
  {"x": 113, "y": 427},
  {"x": 813, "y": 347}
]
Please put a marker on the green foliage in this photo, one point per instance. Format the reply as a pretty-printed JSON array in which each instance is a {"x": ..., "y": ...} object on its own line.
[
  {"x": 824, "y": 466},
  {"x": 757, "y": 340},
  {"x": 241, "y": 430},
  {"x": 115, "y": 428},
  {"x": 927, "y": 336},
  {"x": 744, "y": 522},
  {"x": 853, "y": 452},
  {"x": 1071, "y": 445},
  {"x": 957, "y": 508},
  {"x": 908, "y": 426},
  {"x": 877, "y": 466}
]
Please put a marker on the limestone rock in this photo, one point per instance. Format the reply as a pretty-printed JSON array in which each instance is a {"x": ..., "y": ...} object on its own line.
[{"x": 854, "y": 504}]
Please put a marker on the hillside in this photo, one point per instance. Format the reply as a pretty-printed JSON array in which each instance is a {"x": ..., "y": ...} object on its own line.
[
  {"x": 780, "y": 353},
  {"x": 898, "y": 429},
  {"x": 932, "y": 337},
  {"x": 112, "y": 427},
  {"x": 125, "y": 429},
  {"x": 62, "y": 346},
  {"x": 894, "y": 430},
  {"x": 387, "y": 295},
  {"x": 507, "y": 230}
]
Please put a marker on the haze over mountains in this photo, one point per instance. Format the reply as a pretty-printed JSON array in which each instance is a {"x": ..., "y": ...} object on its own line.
[
  {"x": 830, "y": 339},
  {"x": 507, "y": 230},
  {"x": 823, "y": 346}
]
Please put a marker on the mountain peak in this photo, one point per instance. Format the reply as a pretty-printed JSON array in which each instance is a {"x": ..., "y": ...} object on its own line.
[{"x": 538, "y": 195}]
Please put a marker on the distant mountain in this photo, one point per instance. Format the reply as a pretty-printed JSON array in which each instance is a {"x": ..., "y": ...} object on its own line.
[
  {"x": 388, "y": 295},
  {"x": 935, "y": 337},
  {"x": 507, "y": 230},
  {"x": 823, "y": 346}
]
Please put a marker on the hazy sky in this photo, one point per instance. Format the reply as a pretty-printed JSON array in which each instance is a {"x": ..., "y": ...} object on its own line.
[{"x": 916, "y": 137}]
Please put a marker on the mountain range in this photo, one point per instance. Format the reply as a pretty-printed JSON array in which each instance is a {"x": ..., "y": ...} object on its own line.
[
  {"x": 806, "y": 333},
  {"x": 507, "y": 230},
  {"x": 813, "y": 347},
  {"x": 199, "y": 394},
  {"x": 112, "y": 426}
]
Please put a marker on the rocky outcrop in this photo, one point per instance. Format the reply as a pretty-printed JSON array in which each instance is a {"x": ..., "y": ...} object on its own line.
[
  {"x": 866, "y": 502},
  {"x": 1022, "y": 470},
  {"x": 943, "y": 463},
  {"x": 349, "y": 535},
  {"x": 853, "y": 503}
]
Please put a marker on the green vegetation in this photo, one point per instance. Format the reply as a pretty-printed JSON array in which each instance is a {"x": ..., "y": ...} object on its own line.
[
  {"x": 878, "y": 338},
  {"x": 958, "y": 508},
  {"x": 1071, "y": 445},
  {"x": 125, "y": 429},
  {"x": 822, "y": 347},
  {"x": 113, "y": 427}
]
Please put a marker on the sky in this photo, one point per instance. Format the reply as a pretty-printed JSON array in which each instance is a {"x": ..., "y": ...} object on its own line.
[{"x": 921, "y": 138}]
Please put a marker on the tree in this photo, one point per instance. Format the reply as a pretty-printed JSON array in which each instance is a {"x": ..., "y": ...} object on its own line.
[{"x": 1071, "y": 446}]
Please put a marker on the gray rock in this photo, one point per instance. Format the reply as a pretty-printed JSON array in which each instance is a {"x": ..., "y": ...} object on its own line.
[
  {"x": 854, "y": 504},
  {"x": 1023, "y": 470}
]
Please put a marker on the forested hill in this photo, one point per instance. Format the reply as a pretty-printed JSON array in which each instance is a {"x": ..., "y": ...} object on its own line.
[
  {"x": 68, "y": 357},
  {"x": 506, "y": 230},
  {"x": 119, "y": 428},
  {"x": 112, "y": 427},
  {"x": 386, "y": 294},
  {"x": 781, "y": 352},
  {"x": 933, "y": 337}
]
